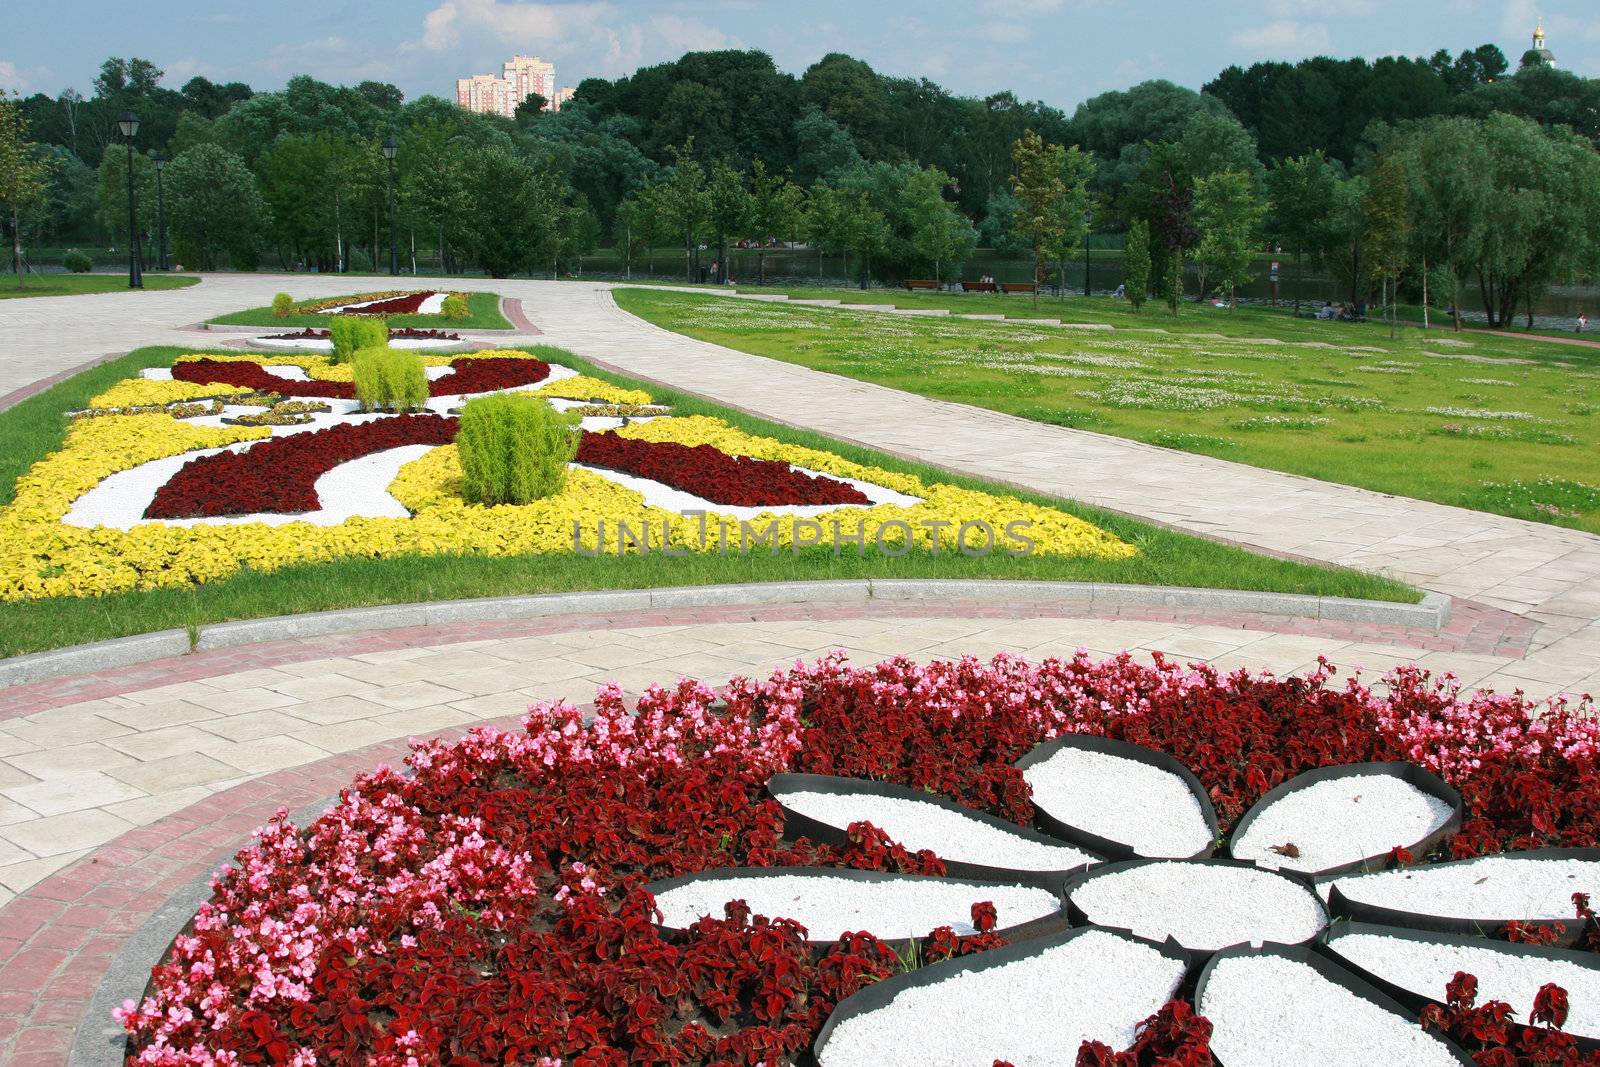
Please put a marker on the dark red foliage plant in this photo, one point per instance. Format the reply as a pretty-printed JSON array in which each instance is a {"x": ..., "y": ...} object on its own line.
[
  {"x": 713, "y": 475},
  {"x": 488, "y": 907}
]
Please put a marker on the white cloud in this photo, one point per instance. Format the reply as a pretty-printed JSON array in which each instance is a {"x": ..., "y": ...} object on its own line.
[
  {"x": 1284, "y": 37},
  {"x": 1519, "y": 19},
  {"x": 15, "y": 78},
  {"x": 610, "y": 42},
  {"x": 1323, "y": 8}
]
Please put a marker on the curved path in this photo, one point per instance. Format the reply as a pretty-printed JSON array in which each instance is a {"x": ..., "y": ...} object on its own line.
[{"x": 118, "y": 788}]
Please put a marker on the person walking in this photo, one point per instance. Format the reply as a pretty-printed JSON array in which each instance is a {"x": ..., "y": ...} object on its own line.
[{"x": 1583, "y": 320}]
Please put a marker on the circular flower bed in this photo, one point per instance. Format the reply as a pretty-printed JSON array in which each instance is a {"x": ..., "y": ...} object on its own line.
[{"x": 491, "y": 906}]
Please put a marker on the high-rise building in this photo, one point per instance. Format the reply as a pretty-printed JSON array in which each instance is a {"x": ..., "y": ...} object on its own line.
[{"x": 520, "y": 78}]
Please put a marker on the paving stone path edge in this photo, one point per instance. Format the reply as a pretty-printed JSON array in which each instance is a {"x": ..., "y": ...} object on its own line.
[{"x": 1432, "y": 613}]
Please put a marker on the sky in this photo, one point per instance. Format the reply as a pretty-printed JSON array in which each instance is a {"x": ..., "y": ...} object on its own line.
[{"x": 1058, "y": 51}]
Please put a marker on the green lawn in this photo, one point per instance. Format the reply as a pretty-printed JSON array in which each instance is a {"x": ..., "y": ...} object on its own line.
[
  {"x": 1492, "y": 423},
  {"x": 75, "y": 284},
  {"x": 483, "y": 308},
  {"x": 36, "y": 426}
]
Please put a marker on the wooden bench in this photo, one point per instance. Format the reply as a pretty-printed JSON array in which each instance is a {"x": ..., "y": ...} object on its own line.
[
  {"x": 979, "y": 287},
  {"x": 1019, "y": 287},
  {"x": 921, "y": 283}
]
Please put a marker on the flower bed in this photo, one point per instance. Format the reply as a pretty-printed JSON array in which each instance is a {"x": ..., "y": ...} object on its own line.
[
  {"x": 280, "y": 476},
  {"x": 491, "y": 906},
  {"x": 474, "y": 374},
  {"x": 707, "y": 472},
  {"x": 402, "y": 333},
  {"x": 79, "y": 524},
  {"x": 392, "y": 302}
]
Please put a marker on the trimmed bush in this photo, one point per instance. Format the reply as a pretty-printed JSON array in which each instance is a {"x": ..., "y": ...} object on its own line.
[
  {"x": 77, "y": 262},
  {"x": 514, "y": 449},
  {"x": 351, "y": 333},
  {"x": 455, "y": 307},
  {"x": 282, "y": 305},
  {"x": 390, "y": 379}
]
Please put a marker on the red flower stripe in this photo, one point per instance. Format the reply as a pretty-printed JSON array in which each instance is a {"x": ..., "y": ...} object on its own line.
[
  {"x": 395, "y": 305},
  {"x": 714, "y": 475},
  {"x": 311, "y": 333},
  {"x": 487, "y": 908},
  {"x": 279, "y": 476},
  {"x": 468, "y": 376}
]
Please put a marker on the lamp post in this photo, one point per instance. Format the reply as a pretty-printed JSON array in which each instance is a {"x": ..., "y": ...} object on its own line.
[
  {"x": 1088, "y": 219},
  {"x": 160, "y": 162},
  {"x": 390, "y": 146},
  {"x": 129, "y": 125}
]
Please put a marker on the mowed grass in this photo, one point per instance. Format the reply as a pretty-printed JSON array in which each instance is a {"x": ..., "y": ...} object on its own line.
[
  {"x": 36, "y": 426},
  {"x": 483, "y": 314},
  {"x": 1497, "y": 424},
  {"x": 78, "y": 284}
]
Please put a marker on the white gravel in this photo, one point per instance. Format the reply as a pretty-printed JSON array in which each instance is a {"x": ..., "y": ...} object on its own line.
[
  {"x": 1268, "y": 1011},
  {"x": 828, "y": 906},
  {"x": 1203, "y": 906},
  {"x": 1425, "y": 966},
  {"x": 432, "y": 304},
  {"x": 1339, "y": 821},
  {"x": 323, "y": 345},
  {"x": 1033, "y": 1012},
  {"x": 1122, "y": 800},
  {"x": 1495, "y": 887},
  {"x": 950, "y": 834}
]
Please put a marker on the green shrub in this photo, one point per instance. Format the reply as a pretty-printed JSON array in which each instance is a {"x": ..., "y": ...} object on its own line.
[
  {"x": 514, "y": 448},
  {"x": 358, "y": 261},
  {"x": 390, "y": 379},
  {"x": 352, "y": 333},
  {"x": 455, "y": 307},
  {"x": 77, "y": 262},
  {"x": 282, "y": 305}
]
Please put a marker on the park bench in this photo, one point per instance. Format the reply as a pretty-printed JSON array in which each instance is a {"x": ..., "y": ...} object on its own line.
[
  {"x": 921, "y": 283},
  {"x": 979, "y": 287},
  {"x": 1019, "y": 287}
]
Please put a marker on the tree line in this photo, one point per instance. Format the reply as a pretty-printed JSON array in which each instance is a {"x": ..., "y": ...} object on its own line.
[{"x": 1450, "y": 174}]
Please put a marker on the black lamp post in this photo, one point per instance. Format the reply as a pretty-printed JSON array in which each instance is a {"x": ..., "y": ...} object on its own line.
[
  {"x": 160, "y": 162},
  {"x": 390, "y": 146},
  {"x": 1088, "y": 218},
  {"x": 129, "y": 125}
]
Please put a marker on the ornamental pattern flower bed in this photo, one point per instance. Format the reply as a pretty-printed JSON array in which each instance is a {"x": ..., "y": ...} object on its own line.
[
  {"x": 491, "y": 906},
  {"x": 124, "y": 506}
]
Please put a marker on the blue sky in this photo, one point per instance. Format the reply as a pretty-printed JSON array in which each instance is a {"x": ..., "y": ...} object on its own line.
[{"x": 1060, "y": 51}]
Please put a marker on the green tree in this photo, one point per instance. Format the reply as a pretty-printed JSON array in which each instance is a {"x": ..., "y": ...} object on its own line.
[
  {"x": 1136, "y": 263},
  {"x": 943, "y": 235},
  {"x": 633, "y": 230},
  {"x": 1227, "y": 214},
  {"x": 1449, "y": 168},
  {"x": 1388, "y": 209},
  {"x": 822, "y": 148},
  {"x": 683, "y": 203},
  {"x": 1039, "y": 190},
  {"x": 1073, "y": 211},
  {"x": 508, "y": 232},
  {"x": 1300, "y": 192},
  {"x": 213, "y": 206},
  {"x": 24, "y": 174},
  {"x": 727, "y": 211},
  {"x": 433, "y": 192},
  {"x": 113, "y": 190},
  {"x": 845, "y": 220},
  {"x": 775, "y": 210}
]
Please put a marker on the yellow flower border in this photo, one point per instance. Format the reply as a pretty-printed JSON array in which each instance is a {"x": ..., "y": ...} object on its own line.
[{"x": 42, "y": 557}]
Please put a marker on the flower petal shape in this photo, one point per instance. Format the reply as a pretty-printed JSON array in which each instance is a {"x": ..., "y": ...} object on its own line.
[
  {"x": 1337, "y": 819},
  {"x": 1203, "y": 905},
  {"x": 1414, "y": 968},
  {"x": 1029, "y": 1004},
  {"x": 1476, "y": 896},
  {"x": 830, "y": 902},
  {"x": 1119, "y": 799},
  {"x": 1276, "y": 1006},
  {"x": 974, "y": 843}
]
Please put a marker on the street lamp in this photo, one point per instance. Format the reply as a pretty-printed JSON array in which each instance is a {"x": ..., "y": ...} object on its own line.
[
  {"x": 160, "y": 162},
  {"x": 129, "y": 125},
  {"x": 1088, "y": 218},
  {"x": 390, "y": 146}
]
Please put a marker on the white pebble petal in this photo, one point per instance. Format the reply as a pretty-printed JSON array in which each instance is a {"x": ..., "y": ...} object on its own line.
[
  {"x": 1274, "y": 1011},
  {"x": 1203, "y": 906},
  {"x": 1148, "y": 809},
  {"x": 827, "y": 905},
  {"x": 1032, "y": 1012},
  {"x": 1493, "y": 888}
]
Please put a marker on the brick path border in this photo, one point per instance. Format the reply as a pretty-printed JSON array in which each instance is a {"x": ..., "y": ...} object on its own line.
[{"x": 1472, "y": 628}]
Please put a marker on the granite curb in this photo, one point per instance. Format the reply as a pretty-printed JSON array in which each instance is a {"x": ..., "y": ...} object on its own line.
[{"x": 1431, "y": 614}]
